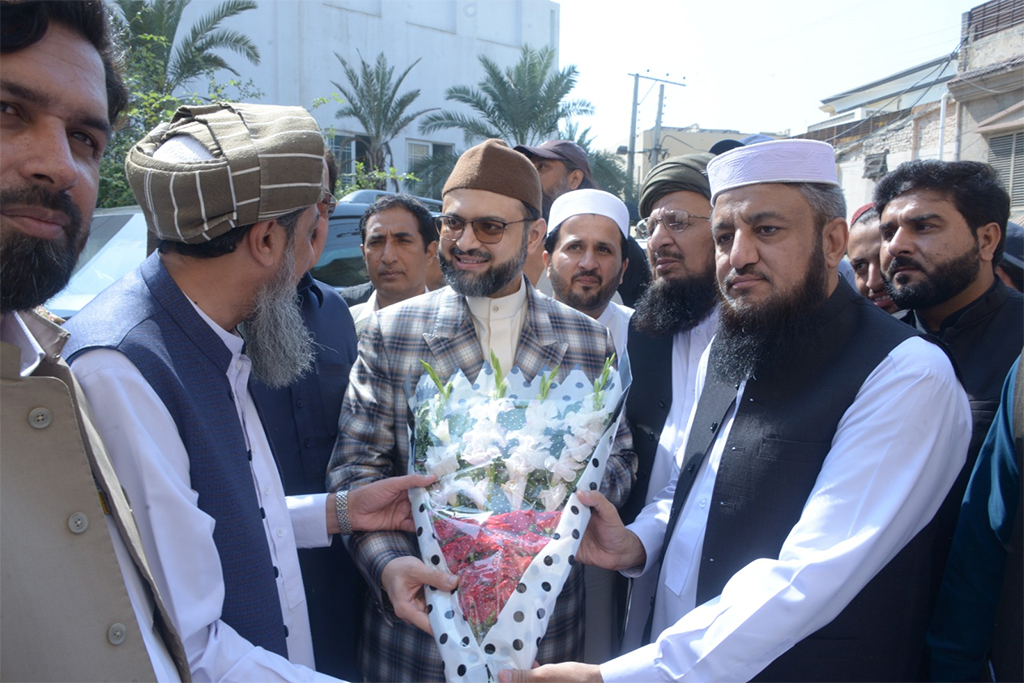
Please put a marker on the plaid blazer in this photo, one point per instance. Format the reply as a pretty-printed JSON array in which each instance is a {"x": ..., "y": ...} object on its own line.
[{"x": 373, "y": 443}]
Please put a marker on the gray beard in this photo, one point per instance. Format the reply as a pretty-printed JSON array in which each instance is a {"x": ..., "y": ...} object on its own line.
[{"x": 276, "y": 339}]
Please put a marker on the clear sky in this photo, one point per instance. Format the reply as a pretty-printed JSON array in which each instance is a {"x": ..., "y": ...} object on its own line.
[{"x": 748, "y": 65}]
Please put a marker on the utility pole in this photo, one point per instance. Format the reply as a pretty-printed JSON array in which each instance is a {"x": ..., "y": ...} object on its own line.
[
  {"x": 656, "y": 144},
  {"x": 632, "y": 138},
  {"x": 632, "y": 122}
]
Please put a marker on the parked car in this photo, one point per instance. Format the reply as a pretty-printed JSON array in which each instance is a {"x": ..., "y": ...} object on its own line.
[{"x": 117, "y": 244}]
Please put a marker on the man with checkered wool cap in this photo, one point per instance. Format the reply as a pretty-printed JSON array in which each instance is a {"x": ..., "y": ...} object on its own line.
[
  {"x": 490, "y": 219},
  {"x": 165, "y": 356}
]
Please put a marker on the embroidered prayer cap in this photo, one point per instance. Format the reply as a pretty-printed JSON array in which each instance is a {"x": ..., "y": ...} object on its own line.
[
  {"x": 686, "y": 173},
  {"x": 589, "y": 201},
  {"x": 779, "y": 161},
  {"x": 494, "y": 167},
  {"x": 226, "y": 165},
  {"x": 860, "y": 212}
]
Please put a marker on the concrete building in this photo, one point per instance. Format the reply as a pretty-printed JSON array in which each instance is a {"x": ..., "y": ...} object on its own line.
[
  {"x": 967, "y": 105},
  {"x": 675, "y": 141},
  {"x": 298, "y": 40},
  {"x": 988, "y": 92}
]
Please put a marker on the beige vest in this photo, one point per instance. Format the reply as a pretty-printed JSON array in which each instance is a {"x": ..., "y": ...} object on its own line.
[{"x": 65, "y": 614}]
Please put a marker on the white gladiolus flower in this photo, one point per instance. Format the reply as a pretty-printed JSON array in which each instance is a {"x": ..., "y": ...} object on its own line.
[
  {"x": 441, "y": 460},
  {"x": 515, "y": 489},
  {"x": 441, "y": 432},
  {"x": 553, "y": 497},
  {"x": 563, "y": 468}
]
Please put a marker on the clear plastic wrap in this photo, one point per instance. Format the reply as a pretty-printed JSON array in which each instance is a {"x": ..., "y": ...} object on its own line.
[{"x": 503, "y": 514}]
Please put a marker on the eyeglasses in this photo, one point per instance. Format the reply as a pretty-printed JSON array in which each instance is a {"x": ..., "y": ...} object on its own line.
[
  {"x": 487, "y": 230},
  {"x": 327, "y": 204},
  {"x": 674, "y": 221}
]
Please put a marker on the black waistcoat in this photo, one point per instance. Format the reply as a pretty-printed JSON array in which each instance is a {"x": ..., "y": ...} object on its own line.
[
  {"x": 650, "y": 362},
  {"x": 780, "y": 436}
]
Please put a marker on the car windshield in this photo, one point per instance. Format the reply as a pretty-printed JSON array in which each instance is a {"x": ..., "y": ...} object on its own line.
[{"x": 116, "y": 246}]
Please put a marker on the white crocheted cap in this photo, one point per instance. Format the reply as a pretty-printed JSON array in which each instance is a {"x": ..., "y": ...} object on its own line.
[
  {"x": 779, "y": 161},
  {"x": 592, "y": 201}
]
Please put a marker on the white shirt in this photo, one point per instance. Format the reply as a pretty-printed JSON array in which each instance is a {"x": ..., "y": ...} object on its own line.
[
  {"x": 14, "y": 330},
  {"x": 153, "y": 466},
  {"x": 895, "y": 454},
  {"x": 687, "y": 349},
  {"x": 499, "y": 322},
  {"x": 616, "y": 318}
]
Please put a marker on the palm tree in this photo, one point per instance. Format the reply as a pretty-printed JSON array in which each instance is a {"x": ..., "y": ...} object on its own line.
[
  {"x": 372, "y": 98},
  {"x": 605, "y": 167},
  {"x": 152, "y": 25},
  {"x": 522, "y": 105}
]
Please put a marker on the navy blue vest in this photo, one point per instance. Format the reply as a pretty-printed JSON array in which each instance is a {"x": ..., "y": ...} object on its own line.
[{"x": 146, "y": 317}]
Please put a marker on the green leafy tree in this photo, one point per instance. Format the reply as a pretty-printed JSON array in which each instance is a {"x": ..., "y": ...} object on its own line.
[
  {"x": 372, "y": 98},
  {"x": 177, "y": 62},
  {"x": 371, "y": 179},
  {"x": 147, "y": 108},
  {"x": 522, "y": 104}
]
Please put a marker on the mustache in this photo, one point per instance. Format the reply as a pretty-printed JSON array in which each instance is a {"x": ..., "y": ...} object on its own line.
[
  {"x": 588, "y": 273},
  {"x": 666, "y": 252},
  {"x": 37, "y": 195},
  {"x": 475, "y": 253},
  {"x": 901, "y": 262},
  {"x": 749, "y": 269}
]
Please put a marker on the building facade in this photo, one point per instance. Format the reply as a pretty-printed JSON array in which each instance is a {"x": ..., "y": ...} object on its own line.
[
  {"x": 299, "y": 40},
  {"x": 968, "y": 105}
]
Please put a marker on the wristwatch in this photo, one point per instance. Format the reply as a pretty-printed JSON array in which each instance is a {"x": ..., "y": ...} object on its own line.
[{"x": 341, "y": 505}]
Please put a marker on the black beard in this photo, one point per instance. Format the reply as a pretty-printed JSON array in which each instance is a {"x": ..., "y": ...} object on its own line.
[
  {"x": 484, "y": 284},
  {"x": 596, "y": 300},
  {"x": 277, "y": 341},
  {"x": 34, "y": 269},
  {"x": 762, "y": 338},
  {"x": 670, "y": 306},
  {"x": 945, "y": 281}
]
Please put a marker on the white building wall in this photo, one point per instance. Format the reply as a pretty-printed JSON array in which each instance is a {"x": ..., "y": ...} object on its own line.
[{"x": 298, "y": 40}]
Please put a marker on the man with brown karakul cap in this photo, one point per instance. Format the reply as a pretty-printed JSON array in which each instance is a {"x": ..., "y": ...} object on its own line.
[
  {"x": 165, "y": 356},
  {"x": 491, "y": 217}
]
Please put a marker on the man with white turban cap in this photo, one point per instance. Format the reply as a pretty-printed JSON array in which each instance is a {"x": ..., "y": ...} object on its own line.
[
  {"x": 794, "y": 542},
  {"x": 585, "y": 255}
]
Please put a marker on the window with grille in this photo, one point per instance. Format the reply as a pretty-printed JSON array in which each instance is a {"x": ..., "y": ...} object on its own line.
[
  {"x": 417, "y": 151},
  {"x": 875, "y": 166},
  {"x": 1006, "y": 155}
]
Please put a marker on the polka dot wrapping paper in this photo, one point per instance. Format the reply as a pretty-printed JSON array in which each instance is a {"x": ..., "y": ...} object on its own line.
[{"x": 503, "y": 515}]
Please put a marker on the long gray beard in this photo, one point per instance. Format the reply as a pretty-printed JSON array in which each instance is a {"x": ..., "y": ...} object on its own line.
[{"x": 276, "y": 339}]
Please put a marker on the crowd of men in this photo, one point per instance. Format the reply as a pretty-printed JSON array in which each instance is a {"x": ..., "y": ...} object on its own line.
[{"x": 817, "y": 479}]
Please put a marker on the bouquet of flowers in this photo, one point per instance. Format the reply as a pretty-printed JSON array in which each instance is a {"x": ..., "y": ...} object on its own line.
[{"x": 503, "y": 515}]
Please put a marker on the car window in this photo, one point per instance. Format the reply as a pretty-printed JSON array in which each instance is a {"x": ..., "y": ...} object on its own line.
[
  {"x": 116, "y": 246},
  {"x": 341, "y": 264}
]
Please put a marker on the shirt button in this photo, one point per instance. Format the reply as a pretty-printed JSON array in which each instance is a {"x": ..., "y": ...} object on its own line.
[
  {"x": 40, "y": 418},
  {"x": 300, "y": 403},
  {"x": 308, "y": 443},
  {"x": 703, "y": 502},
  {"x": 266, "y": 490},
  {"x": 280, "y": 533},
  {"x": 78, "y": 523}
]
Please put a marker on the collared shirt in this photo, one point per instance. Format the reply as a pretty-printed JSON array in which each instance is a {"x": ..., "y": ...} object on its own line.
[
  {"x": 616, "y": 318},
  {"x": 361, "y": 312},
  {"x": 896, "y": 452},
  {"x": 153, "y": 466},
  {"x": 498, "y": 323},
  {"x": 31, "y": 337}
]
